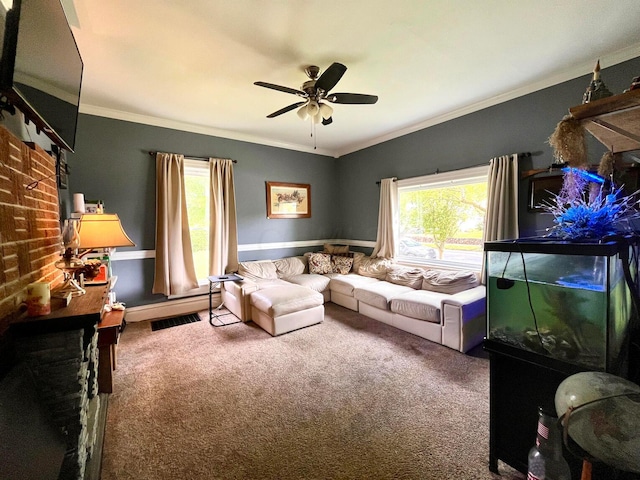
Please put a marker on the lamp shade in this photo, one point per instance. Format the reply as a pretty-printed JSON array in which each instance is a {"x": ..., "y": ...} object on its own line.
[{"x": 102, "y": 230}]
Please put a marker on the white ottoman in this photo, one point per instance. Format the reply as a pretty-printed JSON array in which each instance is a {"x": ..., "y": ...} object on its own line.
[{"x": 282, "y": 309}]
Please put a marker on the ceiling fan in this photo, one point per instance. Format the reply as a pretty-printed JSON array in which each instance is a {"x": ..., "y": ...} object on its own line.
[{"x": 315, "y": 93}]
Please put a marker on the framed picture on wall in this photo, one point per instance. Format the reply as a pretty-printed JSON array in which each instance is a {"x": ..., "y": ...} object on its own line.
[
  {"x": 288, "y": 200},
  {"x": 62, "y": 169}
]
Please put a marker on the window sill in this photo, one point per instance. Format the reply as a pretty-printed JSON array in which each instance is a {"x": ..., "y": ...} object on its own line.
[
  {"x": 203, "y": 289},
  {"x": 441, "y": 264}
]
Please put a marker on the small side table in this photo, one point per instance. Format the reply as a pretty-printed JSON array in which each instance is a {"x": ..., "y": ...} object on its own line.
[
  {"x": 108, "y": 333},
  {"x": 214, "y": 282}
]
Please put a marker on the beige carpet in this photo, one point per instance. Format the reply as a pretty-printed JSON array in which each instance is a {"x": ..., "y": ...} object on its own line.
[{"x": 351, "y": 398}]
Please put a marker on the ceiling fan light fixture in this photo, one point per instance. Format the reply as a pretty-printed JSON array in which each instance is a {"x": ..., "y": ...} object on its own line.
[
  {"x": 302, "y": 112},
  {"x": 313, "y": 108},
  {"x": 325, "y": 111},
  {"x": 316, "y": 97}
]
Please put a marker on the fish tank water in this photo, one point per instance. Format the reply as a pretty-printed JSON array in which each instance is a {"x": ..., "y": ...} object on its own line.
[{"x": 565, "y": 300}]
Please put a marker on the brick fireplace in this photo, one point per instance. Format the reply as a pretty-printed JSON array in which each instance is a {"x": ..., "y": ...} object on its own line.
[
  {"x": 29, "y": 222},
  {"x": 61, "y": 355}
]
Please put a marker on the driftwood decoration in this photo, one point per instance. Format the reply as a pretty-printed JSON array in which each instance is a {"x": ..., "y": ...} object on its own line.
[{"x": 569, "y": 143}]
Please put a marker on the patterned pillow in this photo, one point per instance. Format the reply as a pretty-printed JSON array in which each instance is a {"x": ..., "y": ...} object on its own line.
[
  {"x": 320, "y": 263},
  {"x": 341, "y": 264}
]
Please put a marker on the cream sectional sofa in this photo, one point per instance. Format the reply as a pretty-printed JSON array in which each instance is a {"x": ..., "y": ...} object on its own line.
[{"x": 446, "y": 307}]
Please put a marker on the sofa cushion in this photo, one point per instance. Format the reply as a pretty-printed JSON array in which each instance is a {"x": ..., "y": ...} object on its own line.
[
  {"x": 286, "y": 267},
  {"x": 258, "y": 269},
  {"x": 333, "y": 249},
  {"x": 379, "y": 294},
  {"x": 374, "y": 267},
  {"x": 346, "y": 284},
  {"x": 320, "y": 263},
  {"x": 282, "y": 300},
  {"x": 420, "y": 304},
  {"x": 269, "y": 282},
  {"x": 449, "y": 281},
  {"x": 314, "y": 281},
  {"x": 341, "y": 264},
  {"x": 409, "y": 277}
]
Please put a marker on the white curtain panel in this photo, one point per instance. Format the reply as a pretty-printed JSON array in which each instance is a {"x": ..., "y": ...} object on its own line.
[
  {"x": 174, "y": 269},
  {"x": 223, "y": 230},
  {"x": 386, "y": 240},
  {"x": 501, "y": 218}
]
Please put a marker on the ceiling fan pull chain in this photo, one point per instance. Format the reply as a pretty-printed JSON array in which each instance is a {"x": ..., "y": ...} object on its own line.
[{"x": 313, "y": 131}]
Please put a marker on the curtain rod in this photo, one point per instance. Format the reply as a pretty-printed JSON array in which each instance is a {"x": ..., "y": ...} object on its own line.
[
  {"x": 189, "y": 157},
  {"x": 520, "y": 155}
]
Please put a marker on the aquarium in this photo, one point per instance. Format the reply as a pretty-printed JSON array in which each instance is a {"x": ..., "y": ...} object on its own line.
[{"x": 565, "y": 300}]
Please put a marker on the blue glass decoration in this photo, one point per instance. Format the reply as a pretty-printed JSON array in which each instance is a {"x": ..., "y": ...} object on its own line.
[{"x": 582, "y": 214}]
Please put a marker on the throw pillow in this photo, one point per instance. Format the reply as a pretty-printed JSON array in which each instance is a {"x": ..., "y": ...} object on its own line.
[
  {"x": 357, "y": 260},
  {"x": 341, "y": 264},
  {"x": 289, "y": 266},
  {"x": 320, "y": 263},
  {"x": 409, "y": 277},
  {"x": 258, "y": 269},
  {"x": 374, "y": 267},
  {"x": 449, "y": 281},
  {"x": 334, "y": 249}
]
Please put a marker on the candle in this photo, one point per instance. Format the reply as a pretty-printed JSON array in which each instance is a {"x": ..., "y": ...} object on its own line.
[{"x": 38, "y": 299}]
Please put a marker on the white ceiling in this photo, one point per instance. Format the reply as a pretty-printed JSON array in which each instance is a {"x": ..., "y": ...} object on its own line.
[{"x": 191, "y": 64}]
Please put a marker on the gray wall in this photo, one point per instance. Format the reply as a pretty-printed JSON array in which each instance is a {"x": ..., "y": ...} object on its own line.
[
  {"x": 111, "y": 163},
  {"x": 520, "y": 125}
]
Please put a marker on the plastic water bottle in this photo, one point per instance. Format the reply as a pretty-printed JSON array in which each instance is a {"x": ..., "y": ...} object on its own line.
[{"x": 545, "y": 461}]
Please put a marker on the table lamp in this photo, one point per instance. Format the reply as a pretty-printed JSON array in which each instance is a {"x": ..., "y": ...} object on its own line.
[
  {"x": 102, "y": 230},
  {"x": 94, "y": 230}
]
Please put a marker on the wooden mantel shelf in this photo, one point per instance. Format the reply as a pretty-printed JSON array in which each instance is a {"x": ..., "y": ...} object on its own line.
[{"x": 614, "y": 121}]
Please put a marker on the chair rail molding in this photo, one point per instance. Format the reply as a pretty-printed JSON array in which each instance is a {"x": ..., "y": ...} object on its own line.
[{"x": 252, "y": 247}]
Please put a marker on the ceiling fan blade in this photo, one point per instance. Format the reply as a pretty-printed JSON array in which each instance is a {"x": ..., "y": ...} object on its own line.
[
  {"x": 330, "y": 76},
  {"x": 327, "y": 121},
  {"x": 281, "y": 88},
  {"x": 353, "y": 98},
  {"x": 286, "y": 109}
]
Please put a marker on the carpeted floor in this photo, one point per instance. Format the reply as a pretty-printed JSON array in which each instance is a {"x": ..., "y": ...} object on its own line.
[{"x": 351, "y": 398}]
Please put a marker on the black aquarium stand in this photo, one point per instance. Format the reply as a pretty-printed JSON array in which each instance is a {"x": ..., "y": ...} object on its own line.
[{"x": 520, "y": 382}]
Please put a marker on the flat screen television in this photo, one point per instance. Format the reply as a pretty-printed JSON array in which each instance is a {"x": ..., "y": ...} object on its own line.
[{"x": 41, "y": 68}]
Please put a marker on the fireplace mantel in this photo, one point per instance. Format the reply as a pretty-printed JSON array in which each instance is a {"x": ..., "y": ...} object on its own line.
[{"x": 60, "y": 350}]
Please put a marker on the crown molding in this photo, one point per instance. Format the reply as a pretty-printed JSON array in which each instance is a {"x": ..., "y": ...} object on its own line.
[
  {"x": 609, "y": 60},
  {"x": 193, "y": 128},
  {"x": 569, "y": 74}
]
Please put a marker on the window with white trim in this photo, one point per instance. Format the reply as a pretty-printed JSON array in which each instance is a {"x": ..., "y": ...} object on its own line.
[
  {"x": 441, "y": 218},
  {"x": 196, "y": 185}
]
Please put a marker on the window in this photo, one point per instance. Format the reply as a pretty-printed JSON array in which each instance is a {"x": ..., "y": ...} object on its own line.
[
  {"x": 441, "y": 218},
  {"x": 196, "y": 184}
]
